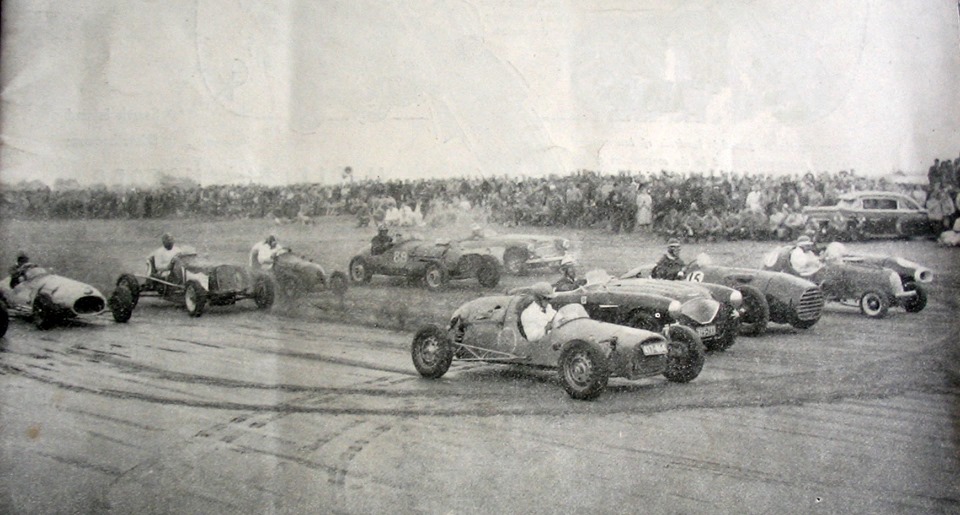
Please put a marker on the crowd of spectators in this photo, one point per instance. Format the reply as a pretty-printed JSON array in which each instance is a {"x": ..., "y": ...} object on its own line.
[{"x": 691, "y": 206}]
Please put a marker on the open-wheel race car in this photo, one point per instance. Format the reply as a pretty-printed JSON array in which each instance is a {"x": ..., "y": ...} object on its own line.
[
  {"x": 710, "y": 310},
  {"x": 433, "y": 263},
  {"x": 585, "y": 352},
  {"x": 48, "y": 299},
  {"x": 865, "y": 282},
  {"x": 295, "y": 274},
  {"x": 768, "y": 296},
  {"x": 195, "y": 282},
  {"x": 520, "y": 253}
]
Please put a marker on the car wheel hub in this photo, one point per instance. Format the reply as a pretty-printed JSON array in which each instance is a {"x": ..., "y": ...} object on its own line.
[
  {"x": 428, "y": 351},
  {"x": 580, "y": 369}
]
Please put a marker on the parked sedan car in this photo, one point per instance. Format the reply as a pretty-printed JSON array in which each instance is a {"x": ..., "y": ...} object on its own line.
[
  {"x": 869, "y": 214},
  {"x": 712, "y": 311},
  {"x": 585, "y": 352},
  {"x": 871, "y": 287},
  {"x": 520, "y": 253},
  {"x": 47, "y": 299},
  {"x": 768, "y": 296},
  {"x": 433, "y": 263},
  {"x": 196, "y": 282}
]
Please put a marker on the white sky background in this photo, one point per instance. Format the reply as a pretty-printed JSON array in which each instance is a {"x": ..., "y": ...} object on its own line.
[{"x": 228, "y": 91}]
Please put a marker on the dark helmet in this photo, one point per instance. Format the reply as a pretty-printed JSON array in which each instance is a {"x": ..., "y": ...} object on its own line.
[
  {"x": 22, "y": 258},
  {"x": 271, "y": 240},
  {"x": 167, "y": 241}
]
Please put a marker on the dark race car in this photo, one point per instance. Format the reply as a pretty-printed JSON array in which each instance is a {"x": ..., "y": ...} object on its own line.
[
  {"x": 196, "y": 282},
  {"x": 712, "y": 311},
  {"x": 48, "y": 299},
  {"x": 869, "y": 286},
  {"x": 520, "y": 253},
  {"x": 768, "y": 296},
  {"x": 433, "y": 263},
  {"x": 585, "y": 352},
  {"x": 295, "y": 274}
]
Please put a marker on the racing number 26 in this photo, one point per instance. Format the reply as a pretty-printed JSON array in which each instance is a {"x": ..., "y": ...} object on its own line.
[{"x": 399, "y": 256}]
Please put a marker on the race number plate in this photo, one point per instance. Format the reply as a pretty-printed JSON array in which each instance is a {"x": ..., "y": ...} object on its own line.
[
  {"x": 707, "y": 330},
  {"x": 655, "y": 349}
]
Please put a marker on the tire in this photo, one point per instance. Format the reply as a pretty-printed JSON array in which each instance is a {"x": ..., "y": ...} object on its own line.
[
  {"x": 359, "y": 273},
  {"x": 916, "y": 303},
  {"x": 685, "y": 355},
  {"x": 4, "y": 321},
  {"x": 488, "y": 273},
  {"x": 338, "y": 283},
  {"x": 804, "y": 324},
  {"x": 433, "y": 277},
  {"x": 756, "y": 312},
  {"x": 432, "y": 352},
  {"x": 195, "y": 298},
  {"x": 874, "y": 304},
  {"x": 641, "y": 320},
  {"x": 515, "y": 261},
  {"x": 133, "y": 285},
  {"x": 584, "y": 371},
  {"x": 121, "y": 304},
  {"x": 264, "y": 292},
  {"x": 44, "y": 316}
]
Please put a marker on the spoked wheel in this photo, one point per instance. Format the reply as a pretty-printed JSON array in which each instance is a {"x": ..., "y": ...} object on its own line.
[
  {"x": 195, "y": 298},
  {"x": 584, "y": 371},
  {"x": 874, "y": 304},
  {"x": 432, "y": 352},
  {"x": 685, "y": 355},
  {"x": 358, "y": 270},
  {"x": 433, "y": 277}
]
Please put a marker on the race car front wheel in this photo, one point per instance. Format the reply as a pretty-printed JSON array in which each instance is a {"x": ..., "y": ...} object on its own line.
[
  {"x": 756, "y": 312},
  {"x": 584, "y": 371},
  {"x": 433, "y": 277},
  {"x": 195, "y": 298},
  {"x": 916, "y": 303},
  {"x": 121, "y": 304},
  {"x": 432, "y": 352},
  {"x": 43, "y": 312},
  {"x": 358, "y": 270},
  {"x": 264, "y": 292},
  {"x": 874, "y": 304},
  {"x": 685, "y": 355},
  {"x": 133, "y": 285}
]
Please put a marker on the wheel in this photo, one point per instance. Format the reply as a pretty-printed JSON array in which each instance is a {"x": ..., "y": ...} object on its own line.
[
  {"x": 874, "y": 304},
  {"x": 358, "y": 270},
  {"x": 195, "y": 297},
  {"x": 515, "y": 261},
  {"x": 121, "y": 304},
  {"x": 756, "y": 312},
  {"x": 727, "y": 335},
  {"x": 584, "y": 371},
  {"x": 641, "y": 320},
  {"x": 44, "y": 314},
  {"x": 804, "y": 324},
  {"x": 4, "y": 321},
  {"x": 433, "y": 277},
  {"x": 338, "y": 283},
  {"x": 488, "y": 273},
  {"x": 132, "y": 285},
  {"x": 685, "y": 355},
  {"x": 264, "y": 292},
  {"x": 432, "y": 352},
  {"x": 916, "y": 303}
]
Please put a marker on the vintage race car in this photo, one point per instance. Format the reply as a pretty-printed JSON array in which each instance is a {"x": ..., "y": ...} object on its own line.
[
  {"x": 519, "y": 253},
  {"x": 586, "y": 352},
  {"x": 195, "y": 282},
  {"x": 870, "y": 286},
  {"x": 710, "y": 310},
  {"x": 295, "y": 274},
  {"x": 433, "y": 263},
  {"x": 869, "y": 214},
  {"x": 767, "y": 296},
  {"x": 47, "y": 299},
  {"x": 912, "y": 275}
]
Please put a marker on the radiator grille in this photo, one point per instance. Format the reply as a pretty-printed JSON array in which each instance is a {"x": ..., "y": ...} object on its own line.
[{"x": 811, "y": 304}]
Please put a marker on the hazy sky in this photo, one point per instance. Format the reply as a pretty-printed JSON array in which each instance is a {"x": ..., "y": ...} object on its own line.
[{"x": 292, "y": 91}]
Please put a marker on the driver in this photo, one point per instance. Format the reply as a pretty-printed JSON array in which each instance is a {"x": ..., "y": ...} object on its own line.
[
  {"x": 381, "y": 242},
  {"x": 670, "y": 266},
  {"x": 803, "y": 259},
  {"x": 535, "y": 318},
  {"x": 161, "y": 258},
  {"x": 263, "y": 252},
  {"x": 568, "y": 281},
  {"x": 17, "y": 271}
]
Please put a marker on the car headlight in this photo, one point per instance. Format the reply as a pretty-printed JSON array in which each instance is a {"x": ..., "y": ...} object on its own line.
[
  {"x": 674, "y": 309},
  {"x": 736, "y": 298},
  {"x": 923, "y": 275}
]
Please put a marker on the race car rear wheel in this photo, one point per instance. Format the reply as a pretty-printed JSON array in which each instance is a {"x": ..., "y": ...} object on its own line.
[
  {"x": 432, "y": 352},
  {"x": 195, "y": 298},
  {"x": 338, "y": 283},
  {"x": 756, "y": 311},
  {"x": 433, "y": 277},
  {"x": 264, "y": 292},
  {"x": 488, "y": 273},
  {"x": 685, "y": 355},
  {"x": 132, "y": 285},
  {"x": 916, "y": 303},
  {"x": 44, "y": 313},
  {"x": 358, "y": 270},
  {"x": 121, "y": 304},
  {"x": 874, "y": 304},
  {"x": 584, "y": 371},
  {"x": 515, "y": 261}
]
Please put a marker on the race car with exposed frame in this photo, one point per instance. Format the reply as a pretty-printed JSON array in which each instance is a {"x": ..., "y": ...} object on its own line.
[
  {"x": 49, "y": 299},
  {"x": 432, "y": 263},
  {"x": 195, "y": 282},
  {"x": 295, "y": 274},
  {"x": 768, "y": 296},
  {"x": 867, "y": 285},
  {"x": 520, "y": 253},
  {"x": 585, "y": 352},
  {"x": 710, "y": 310}
]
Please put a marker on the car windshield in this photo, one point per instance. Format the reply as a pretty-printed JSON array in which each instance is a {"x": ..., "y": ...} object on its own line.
[{"x": 848, "y": 203}]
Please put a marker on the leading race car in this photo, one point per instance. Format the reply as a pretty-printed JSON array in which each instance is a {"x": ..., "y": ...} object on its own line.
[
  {"x": 48, "y": 299},
  {"x": 195, "y": 282},
  {"x": 586, "y": 352},
  {"x": 870, "y": 286},
  {"x": 768, "y": 296},
  {"x": 433, "y": 263},
  {"x": 520, "y": 253}
]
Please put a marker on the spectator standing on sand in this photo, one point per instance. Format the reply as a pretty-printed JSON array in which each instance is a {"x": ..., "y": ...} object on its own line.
[{"x": 644, "y": 207}]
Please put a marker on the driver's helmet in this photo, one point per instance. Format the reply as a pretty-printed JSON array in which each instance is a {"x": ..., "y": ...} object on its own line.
[
  {"x": 568, "y": 313},
  {"x": 597, "y": 277}
]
